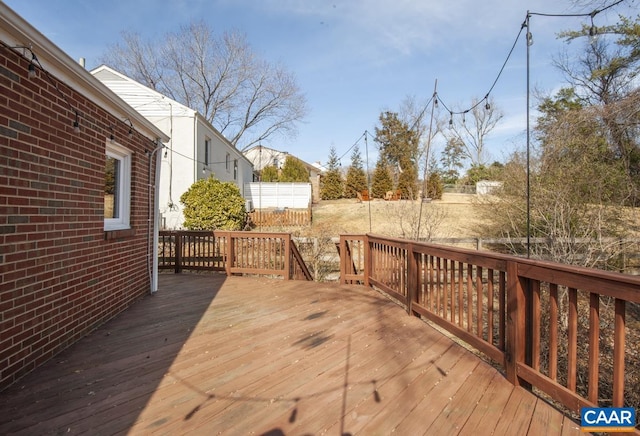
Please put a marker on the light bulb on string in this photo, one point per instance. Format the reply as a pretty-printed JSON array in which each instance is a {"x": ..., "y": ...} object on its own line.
[
  {"x": 32, "y": 71},
  {"x": 76, "y": 124},
  {"x": 593, "y": 32}
]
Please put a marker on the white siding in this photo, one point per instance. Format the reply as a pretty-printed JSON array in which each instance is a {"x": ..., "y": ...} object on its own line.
[
  {"x": 184, "y": 162},
  {"x": 278, "y": 195}
]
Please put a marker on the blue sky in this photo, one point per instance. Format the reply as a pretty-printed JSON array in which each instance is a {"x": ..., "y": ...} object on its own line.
[{"x": 352, "y": 59}]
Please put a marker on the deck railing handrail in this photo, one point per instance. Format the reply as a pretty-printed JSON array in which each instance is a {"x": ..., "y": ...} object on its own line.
[
  {"x": 234, "y": 252},
  {"x": 508, "y": 307}
]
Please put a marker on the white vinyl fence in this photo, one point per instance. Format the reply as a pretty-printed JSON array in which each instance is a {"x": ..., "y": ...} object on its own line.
[{"x": 265, "y": 195}]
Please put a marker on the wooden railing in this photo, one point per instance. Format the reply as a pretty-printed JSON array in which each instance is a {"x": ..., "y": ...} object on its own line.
[
  {"x": 232, "y": 252},
  {"x": 567, "y": 331}
]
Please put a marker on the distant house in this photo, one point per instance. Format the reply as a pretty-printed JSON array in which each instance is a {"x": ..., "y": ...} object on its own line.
[
  {"x": 196, "y": 149},
  {"x": 261, "y": 156},
  {"x": 78, "y": 171}
]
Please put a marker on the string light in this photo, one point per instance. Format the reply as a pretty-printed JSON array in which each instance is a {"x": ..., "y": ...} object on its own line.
[
  {"x": 593, "y": 35},
  {"x": 32, "y": 71}
]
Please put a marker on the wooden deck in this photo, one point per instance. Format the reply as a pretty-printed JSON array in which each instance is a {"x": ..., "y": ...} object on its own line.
[{"x": 215, "y": 355}]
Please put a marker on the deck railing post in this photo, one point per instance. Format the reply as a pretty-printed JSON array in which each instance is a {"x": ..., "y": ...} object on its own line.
[
  {"x": 412, "y": 278},
  {"x": 343, "y": 260},
  {"x": 229, "y": 252},
  {"x": 515, "y": 345},
  {"x": 367, "y": 260},
  {"x": 287, "y": 257},
  {"x": 178, "y": 259}
]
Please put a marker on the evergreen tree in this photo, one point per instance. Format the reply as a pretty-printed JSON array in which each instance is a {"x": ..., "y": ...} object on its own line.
[
  {"x": 399, "y": 146},
  {"x": 451, "y": 160},
  {"x": 434, "y": 186},
  {"x": 356, "y": 177},
  {"x": 269, "y": 174},
  {"x": 331, "y": 184},
  {"x": 382, "y": 181},
  {"x": 293, "y": 171}
]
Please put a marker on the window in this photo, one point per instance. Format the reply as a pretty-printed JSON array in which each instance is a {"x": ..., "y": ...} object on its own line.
[
  {"x": 227, "y": 162},
  {"x": 117, "y": 187},
  {"x": 235, "y": 169},
  {"x": 207, "y": 151}
]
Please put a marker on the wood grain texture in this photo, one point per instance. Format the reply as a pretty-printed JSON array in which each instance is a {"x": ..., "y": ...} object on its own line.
[{"x": 210, "y": 354}]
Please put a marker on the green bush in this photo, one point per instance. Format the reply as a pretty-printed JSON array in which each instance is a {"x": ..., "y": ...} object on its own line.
[{"x": 210, "y": 204}]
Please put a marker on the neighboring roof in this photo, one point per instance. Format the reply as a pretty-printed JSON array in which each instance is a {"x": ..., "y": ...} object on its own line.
[
  {"x": 150, "y": 102},
  {"x": 282, "y": 153},
  {"x": 145, "y": 100},
  {"x": 16, "y": 32},
  {"x": 320, "y": 167}
]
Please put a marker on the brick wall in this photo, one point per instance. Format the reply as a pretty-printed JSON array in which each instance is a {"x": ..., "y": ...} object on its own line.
[{"x": 61, "y": 275}]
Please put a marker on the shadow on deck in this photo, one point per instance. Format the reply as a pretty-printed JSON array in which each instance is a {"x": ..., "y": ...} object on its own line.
[{"x": 213, "y": 354}]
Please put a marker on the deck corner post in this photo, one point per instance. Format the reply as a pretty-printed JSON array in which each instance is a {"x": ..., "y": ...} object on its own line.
[
  {"x": 343, "y": 261},
  {"x": 515, "y": 335},
  {"x": 412, "y": 278}
]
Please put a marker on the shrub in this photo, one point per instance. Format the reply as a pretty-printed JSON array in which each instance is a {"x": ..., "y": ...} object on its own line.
[{"x": 210, "y": 204}]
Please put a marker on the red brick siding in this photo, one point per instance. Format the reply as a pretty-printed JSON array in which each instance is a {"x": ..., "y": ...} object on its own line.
[{"x": 60, "y": 274}]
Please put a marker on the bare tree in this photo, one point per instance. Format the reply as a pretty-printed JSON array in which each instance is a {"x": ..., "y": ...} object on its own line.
[
  {"x": 246, "y": 98},
  {"x": 472, "y": 129}
]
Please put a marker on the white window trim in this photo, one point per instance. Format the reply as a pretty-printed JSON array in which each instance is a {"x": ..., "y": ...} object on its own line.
[{"x": 116, "y": 151}]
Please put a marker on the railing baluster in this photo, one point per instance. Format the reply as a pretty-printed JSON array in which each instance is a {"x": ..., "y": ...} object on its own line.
[
  {"x": 503, "y": 310},
  {"x": 535, "y": 325},
  {"x": 572, "y": 339},
  {"x": 594, "y": 345},
  {"x": 452, "y": 288},
  {"x": 490, "y": 335},
  {"x": 479, "y": 301},
  {"x": 469, "y": 297},
  {"x": 553, "y": 331},
  {"x": 618, "y": 353},
  {"x": 460, "y": 294}
]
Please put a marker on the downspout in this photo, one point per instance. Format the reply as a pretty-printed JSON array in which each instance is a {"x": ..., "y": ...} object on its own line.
[{"x": 152, "y": 220}]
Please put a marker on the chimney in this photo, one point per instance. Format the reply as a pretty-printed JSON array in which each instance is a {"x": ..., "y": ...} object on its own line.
[{"x": 82, "y": 62}]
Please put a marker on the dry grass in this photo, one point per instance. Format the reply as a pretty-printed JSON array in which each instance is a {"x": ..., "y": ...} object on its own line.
[{"x": 455, "y": 216}]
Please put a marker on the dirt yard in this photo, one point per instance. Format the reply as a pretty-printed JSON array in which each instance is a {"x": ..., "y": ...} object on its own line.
[{"x": 455, "y": 216}]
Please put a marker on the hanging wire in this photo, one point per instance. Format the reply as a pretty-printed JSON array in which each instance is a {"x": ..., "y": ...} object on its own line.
[
  {"x": 486, "y": 97},
  {"x": 352, "y": 147},
  {"x": 76, "y": 114},
  {"x": 366, "y": 147}
]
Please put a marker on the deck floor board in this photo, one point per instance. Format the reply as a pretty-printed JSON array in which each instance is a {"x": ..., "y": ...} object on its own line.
[{"x": 210, "y": 354}]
